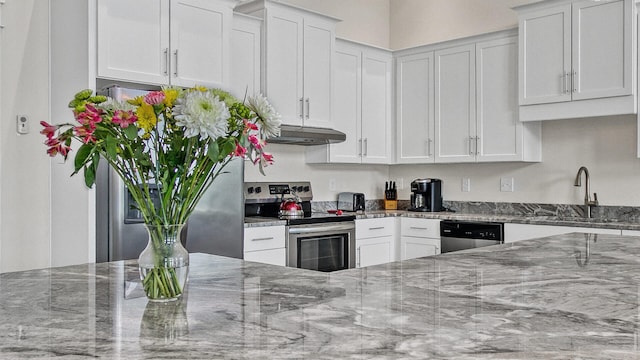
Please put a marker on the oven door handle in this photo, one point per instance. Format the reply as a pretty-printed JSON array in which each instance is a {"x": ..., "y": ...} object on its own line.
[{"x": 321, "y": 228}]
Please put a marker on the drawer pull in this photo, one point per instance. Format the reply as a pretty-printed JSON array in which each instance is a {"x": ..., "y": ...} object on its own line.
[
  {"x": 377, "y": 228},
  {"x": 418, "y": 228},
  {"x": 262, "y": 239}
]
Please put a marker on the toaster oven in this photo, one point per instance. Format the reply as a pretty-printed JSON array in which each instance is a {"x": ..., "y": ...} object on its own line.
[{"x": 350, "y": 201}]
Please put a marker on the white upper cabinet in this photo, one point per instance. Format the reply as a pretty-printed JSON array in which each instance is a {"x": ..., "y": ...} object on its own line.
[
  {"x": 361, "y": 107},
  {"x": 181, "y": 42},
  {"x": 298, "y": 61},
  {"x": 500, "y": 136},
  {"x": 245, "y": 56},
  {"x": 415, "y": 108},
  {"x": 455, "y": 104},
  {"x": 571, "y": 52}
]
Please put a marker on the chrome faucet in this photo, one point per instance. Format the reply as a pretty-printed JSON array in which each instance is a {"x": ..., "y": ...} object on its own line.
[{"x": 588, "y": 203}]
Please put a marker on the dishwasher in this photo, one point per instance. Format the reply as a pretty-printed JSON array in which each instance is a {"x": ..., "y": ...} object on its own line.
[{"x": 461, "y": 235}]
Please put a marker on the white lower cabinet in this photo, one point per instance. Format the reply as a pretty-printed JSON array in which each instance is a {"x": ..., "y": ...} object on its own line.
[
  {"x": 375, "y": 241},
  {"x": 631, "y": 232},
  {"x": 517, "y": 232},
  {"x": 419, "y": 237},
  {"x": 265, "y": 244}
]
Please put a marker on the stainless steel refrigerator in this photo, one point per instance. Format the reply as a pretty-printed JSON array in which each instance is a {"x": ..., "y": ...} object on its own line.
[{"x": 215, "y": 227}]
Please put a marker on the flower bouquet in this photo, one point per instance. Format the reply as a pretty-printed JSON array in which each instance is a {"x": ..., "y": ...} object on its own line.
[{"x": 168, "y": 147}]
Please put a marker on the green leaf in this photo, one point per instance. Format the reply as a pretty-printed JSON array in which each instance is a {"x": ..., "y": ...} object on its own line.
[
  {"x": 227, "y": 148},
  {"x": 89, "y": 175},
  {"x": 214, "y": 151},
  {"x": 110, "y": 144},
  {"x": 82, "y": 156},
  {"x": 131, "y": 132}
]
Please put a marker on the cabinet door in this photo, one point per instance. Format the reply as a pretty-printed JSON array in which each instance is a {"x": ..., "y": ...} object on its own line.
[
  {"x": 245, "y": 56},
  {"x": 374, "y": 251},
  {"x": 545, "y": 56},
  {"x": 200, "y": 50},
  {"x": 319, "y": 40},
  {"x": 455, "y": 99},
  {"x": 415, "y": 247},
  {"x": 602, "y": 49},
  {"x": 283, "y": 67},
  {"x": 499, "y": 131},
  {"x": 346, "y": 104},
  {"x": 415, "y": 108},
  {"x": 133, "y": 40},
  {"x": 376, "y": 107}
]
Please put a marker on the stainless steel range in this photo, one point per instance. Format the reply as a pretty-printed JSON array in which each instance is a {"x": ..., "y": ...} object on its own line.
[{"x": 314, "y": 240}]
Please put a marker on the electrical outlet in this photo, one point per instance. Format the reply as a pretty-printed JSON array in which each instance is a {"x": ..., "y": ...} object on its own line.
[
  {"x": 400, "y": 184},
  {"x": 466, "y": 185},
  {"x": 507, "y": 184},
  {"x": 332, "y": 185}
]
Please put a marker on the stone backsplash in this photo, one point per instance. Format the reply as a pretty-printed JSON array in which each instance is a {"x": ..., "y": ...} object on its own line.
[{"x": 620, "y": 213}]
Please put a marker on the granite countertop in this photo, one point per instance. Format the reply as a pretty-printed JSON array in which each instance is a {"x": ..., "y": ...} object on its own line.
[
  {"x": 515, "y": 219},
  {"x": 567, "y": 296}
]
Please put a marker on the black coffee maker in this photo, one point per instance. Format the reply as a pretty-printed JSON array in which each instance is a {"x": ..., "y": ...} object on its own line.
[{"x": 426, "y": 195}]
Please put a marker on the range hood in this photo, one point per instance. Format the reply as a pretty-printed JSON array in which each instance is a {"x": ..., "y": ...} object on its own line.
[{"x": 307, "y": 135}]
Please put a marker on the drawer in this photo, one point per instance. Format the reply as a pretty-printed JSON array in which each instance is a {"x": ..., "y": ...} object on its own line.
[
  {"x": 272, "y": 256},
  {"x": 263, "y": 238},
  {"x": 427, "y": 228},
  {"x": 369, "y": 228}
]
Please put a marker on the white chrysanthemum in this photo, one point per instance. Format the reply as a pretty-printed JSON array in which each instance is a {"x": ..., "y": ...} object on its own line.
[
  {"x": 201, "y": 113},
  {"x": 269, "y": 117},
  {"x": 113, "y": 105}
]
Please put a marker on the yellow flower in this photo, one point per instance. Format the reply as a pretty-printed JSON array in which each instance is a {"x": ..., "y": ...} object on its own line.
[
  {"x": 146, "y": 117},
  {"x": 170, "y": 96},
  {"x": 200, "y": 88}
]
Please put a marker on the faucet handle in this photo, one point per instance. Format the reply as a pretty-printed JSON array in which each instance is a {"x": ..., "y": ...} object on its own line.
[{"x": 595, "y": 200}]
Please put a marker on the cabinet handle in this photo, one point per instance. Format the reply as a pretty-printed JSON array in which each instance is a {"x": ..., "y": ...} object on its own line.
[
  {"x": 418, "y": 228},
  {"x": 358, "y": 262},
  {"x": 377, "y": 228},
  {"x": 573, "y": 81},
  {"x": 262, "y": 239},
  {"x": 477, "y": 144},
  {"x": 1, "y": 25},
  {"x": 175, "y": 54},
  {"x": 308, "y": 107},
  {"x": 366, "y": 147},
  {"x": 470, "y": 145},
  {"x": 360, "y": 147},
  {"x": 429, "y": 147},
  {"x": 166, "y": 61},
  {"x": 301, "y": 108}
]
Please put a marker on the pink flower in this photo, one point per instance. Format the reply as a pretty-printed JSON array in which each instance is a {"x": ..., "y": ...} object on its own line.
[
  {"x": 240, "y": 151},
  {"x": 49, "y": 130},
  {"x": 124, "y": 118},
  {"x": 268, "y": 158},
  {"x": 154, "y": 98},
  {"x": 85, "y": 133},
  {"x": 90, "y": 116},
  {"x": 56, "y": 147},
  {"x": 255, "y": 141},
  {"x": 249, "y": 126}
]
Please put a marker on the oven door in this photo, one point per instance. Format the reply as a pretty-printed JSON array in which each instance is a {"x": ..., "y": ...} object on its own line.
[{"x": 322, "y": 247}]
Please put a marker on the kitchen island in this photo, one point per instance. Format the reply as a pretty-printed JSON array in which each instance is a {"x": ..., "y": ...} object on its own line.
[{"x": 562, "y": 297}]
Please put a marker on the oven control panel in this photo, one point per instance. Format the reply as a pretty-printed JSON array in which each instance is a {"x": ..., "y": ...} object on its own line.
[{"x": 268, "y": 192}]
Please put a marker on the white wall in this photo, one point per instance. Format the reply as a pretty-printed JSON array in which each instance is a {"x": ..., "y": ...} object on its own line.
[
  {"x": 24, "y": 165},
  {"x": 418, "y": 22},
  {"x": 364, "y": 20}
]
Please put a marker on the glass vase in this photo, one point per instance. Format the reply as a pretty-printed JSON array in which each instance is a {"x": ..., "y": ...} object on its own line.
[{"x": 164, "y": 263}]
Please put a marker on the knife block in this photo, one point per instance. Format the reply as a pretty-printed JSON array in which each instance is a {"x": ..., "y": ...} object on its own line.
[{"x": 391, "y": 204}]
